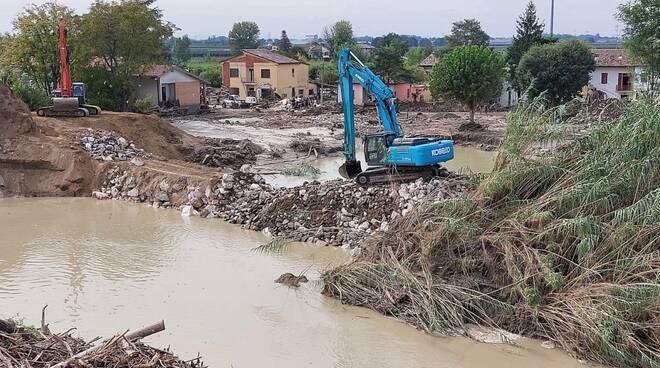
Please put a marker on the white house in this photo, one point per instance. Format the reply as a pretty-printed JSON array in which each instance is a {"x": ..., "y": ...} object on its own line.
[{"x": 616, "y": 76}]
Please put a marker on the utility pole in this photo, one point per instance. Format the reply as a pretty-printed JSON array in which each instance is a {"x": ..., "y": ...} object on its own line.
[{"x": 552, "y": 18}]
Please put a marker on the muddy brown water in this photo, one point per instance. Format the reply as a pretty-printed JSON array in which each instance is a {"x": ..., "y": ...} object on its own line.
[{"x": 108, "y": 266}]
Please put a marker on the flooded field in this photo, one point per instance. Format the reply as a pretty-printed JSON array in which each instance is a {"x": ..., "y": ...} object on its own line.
[{"x": 107, "y": 266}]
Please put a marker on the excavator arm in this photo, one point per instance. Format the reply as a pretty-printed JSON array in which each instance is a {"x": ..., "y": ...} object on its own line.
[{"x": 352, "y": 69}]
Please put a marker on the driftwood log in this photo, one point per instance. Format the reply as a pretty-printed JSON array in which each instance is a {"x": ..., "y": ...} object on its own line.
[{"x": 130, "y": 336}]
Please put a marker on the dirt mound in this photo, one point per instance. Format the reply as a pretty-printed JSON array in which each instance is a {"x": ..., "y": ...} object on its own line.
[
  {"x": 15, "y": 118},
  {"x": 154, "y": 135}
]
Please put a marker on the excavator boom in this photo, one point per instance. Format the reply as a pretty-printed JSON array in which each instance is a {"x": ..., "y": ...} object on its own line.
[{"x": 69, "y": 98}]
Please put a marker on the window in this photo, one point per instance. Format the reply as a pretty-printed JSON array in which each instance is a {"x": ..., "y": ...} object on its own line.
[
  {"x": 603, "y": 78},
  {"x": 233, "y": 73},
  {"x": 293, "y": 72},
  {"x": 301, "y": 92},
  {"x": 265, "y": 73},
  {"x": 293, "y": 92}
]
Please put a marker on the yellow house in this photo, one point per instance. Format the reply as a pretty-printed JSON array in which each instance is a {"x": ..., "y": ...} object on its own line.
[{"x": 262, "y": 73}]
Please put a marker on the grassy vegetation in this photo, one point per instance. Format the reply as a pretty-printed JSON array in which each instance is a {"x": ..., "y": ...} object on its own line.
[{"x": 561, "y": 242}]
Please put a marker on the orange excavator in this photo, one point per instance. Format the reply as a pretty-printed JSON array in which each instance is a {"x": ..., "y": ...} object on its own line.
[{"x": 69, "y": 100}]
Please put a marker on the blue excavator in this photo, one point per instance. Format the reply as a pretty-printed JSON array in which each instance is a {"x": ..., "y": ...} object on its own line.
[{"x": 390, "y": 156}]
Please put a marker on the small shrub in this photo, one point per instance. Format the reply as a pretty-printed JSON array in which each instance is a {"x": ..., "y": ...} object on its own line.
[{"x": 143, "y": 106}]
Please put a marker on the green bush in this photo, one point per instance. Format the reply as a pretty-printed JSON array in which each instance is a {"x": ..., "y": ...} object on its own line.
[
  {"x": 33, "y": 97},
  {"x": 143, "y": 106},
  {"x": 213, "y": 76}
]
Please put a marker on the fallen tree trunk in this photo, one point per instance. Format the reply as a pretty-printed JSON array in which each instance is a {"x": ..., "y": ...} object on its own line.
[{"x": 131, "y": 336}]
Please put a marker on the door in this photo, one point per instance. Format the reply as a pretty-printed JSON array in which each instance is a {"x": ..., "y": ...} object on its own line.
[{"x": 251, "y": 75}]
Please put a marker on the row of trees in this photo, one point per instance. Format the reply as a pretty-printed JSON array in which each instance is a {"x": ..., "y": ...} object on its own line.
[
  {"x": 109, "y": 45},
  {"x": 473, "y": 74}
]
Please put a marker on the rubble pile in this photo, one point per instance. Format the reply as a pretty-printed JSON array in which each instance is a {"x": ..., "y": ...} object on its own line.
[
  {"x": 337, "y": 212},
  {"x": 307, "y": 144},
  {"x": 120, "y": 183},
  {"x": 103, "y": 145},
  {"x": 224, "y": 152}
]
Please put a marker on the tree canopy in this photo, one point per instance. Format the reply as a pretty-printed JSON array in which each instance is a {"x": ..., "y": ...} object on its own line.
[
  {"x": 181, "y": 50},
  {"x": 125, "y": 37},
  {"x": 529, "y": 33},
  {"x": 467, "y": 32},
  {"x": 560, "y": 70},
  {"x": 339, "y": 36},
  {"x": 243, "y": 35},
  {"x": 284, "y": 44},
  {"x": 388, "y": 59},
  {"x": 470, "y": 74},
  {"x": 641, "y": 19},
  {"x": 32, "y": 47}
]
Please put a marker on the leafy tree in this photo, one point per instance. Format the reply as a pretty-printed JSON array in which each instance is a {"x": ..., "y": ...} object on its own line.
[
  {"x": 560, "y": 70},
  {"x": 415, "y": 55},
  {"x": 641, "y": 19},
  {"x": 339, "y": 36},
  {"x": 388, "y": 58},
  {"x": 243, "y": 35},
  {"x": 125, "y": 37},
  {"x": 284, "y": 44},
  {"x": 32, "y": 47},
  {"x": 324, "y": 71},
  {"x": 471, "y": 74},
  {"x": 103, "y": 86},
  {"x": 181, "y": 50},
  {"x": 467, "y": 32},
  {"x": 529, "y": 33},
  {"x": 213, "y": 76},
  {"x": 33, "y": 97}
]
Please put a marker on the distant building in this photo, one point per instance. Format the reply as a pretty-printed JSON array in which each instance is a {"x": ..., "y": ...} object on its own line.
[
  {"x": 403, "y": 92},
  {"x": 367, "y": 49},
  {"x": 428, "y": 63},
  {"x": 317, "y": 51},
  {"x": 261, "y": 73},
  {"x": 169, "y": 84},
  {"x": 616, "y": 75}
]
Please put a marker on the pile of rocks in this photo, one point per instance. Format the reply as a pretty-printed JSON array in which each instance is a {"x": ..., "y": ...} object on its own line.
[
  {"x": 336, "y": 213},
  {"x": 103, "y": 145},
  {"x": 120, "y": 183},
  {"x": 224, "y": 152},
  {"x": 330, "y": 213}
]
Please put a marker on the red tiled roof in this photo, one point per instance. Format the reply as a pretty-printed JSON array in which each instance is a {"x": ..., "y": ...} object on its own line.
[
  {"x": 612, "y": 58},
  {"x": 157, "y": 70}
]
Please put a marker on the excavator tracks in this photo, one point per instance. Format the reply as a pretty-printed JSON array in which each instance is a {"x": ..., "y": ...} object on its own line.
[{"x": 399, "y": 174}]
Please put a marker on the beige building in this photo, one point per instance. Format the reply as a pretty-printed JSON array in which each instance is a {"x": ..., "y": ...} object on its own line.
[{"x": 262, "y": 73}]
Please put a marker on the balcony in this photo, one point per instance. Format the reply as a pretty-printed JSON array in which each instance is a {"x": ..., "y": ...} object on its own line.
[{"x": 248, "y": 81}]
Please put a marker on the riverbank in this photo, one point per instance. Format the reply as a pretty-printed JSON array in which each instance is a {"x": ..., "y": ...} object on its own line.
[
  {"x": 22, "y": 346},
  {"x": 562, "y": 245}
]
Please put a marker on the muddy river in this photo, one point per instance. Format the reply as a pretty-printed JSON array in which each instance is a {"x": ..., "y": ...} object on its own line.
[{"x": 108, "y": 266}]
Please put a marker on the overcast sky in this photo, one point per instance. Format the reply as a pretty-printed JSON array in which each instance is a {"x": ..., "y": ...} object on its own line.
[{"x": 202, "y": 18}]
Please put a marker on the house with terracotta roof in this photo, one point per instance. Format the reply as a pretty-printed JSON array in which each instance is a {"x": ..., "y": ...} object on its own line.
[
  {"x": 263, "y": 73},
  {"x": 171, "y": 85},
  {"x": 616, "y": 75}
]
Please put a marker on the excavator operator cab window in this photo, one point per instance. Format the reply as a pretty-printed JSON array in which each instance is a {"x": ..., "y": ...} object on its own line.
[{"x": 375, "y": 149}]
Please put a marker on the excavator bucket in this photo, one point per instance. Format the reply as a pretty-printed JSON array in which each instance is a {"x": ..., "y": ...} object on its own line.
[{"x": 350, "y": 169}]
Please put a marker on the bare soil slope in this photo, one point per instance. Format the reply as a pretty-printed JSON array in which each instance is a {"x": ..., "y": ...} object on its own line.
[{"x": 45, "y": 156}]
